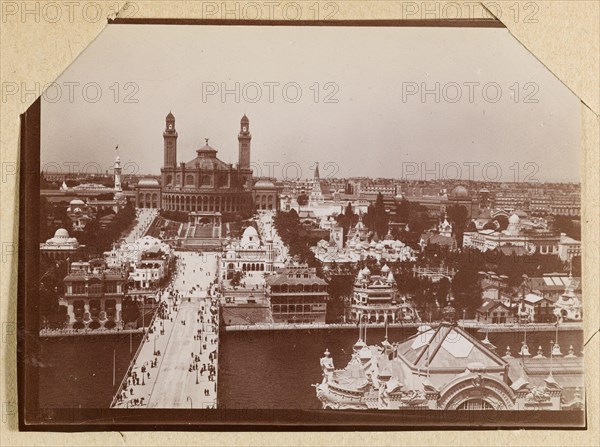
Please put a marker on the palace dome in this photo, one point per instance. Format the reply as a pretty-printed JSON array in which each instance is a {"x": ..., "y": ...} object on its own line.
[
  {"x": 460, "y": 191},
  {"x": 514, "y": 219},
  {"x": 250, "y": 238},
  {"x": 148, "y": 182},
  {"x": 76, "y": 202},
  {"x": 385, "y": 269},
  {"x": 264, "y": 184},
  {"x": 61, "y": 233},
  {"x": 206, "y": 159}
]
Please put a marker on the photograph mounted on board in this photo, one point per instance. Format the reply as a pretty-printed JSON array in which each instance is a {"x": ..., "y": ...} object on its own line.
[{"x": 302, "y": 226}]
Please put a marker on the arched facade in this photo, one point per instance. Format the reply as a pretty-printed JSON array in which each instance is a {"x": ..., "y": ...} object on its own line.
[
  {"x": 206, "y": 184},
  {"x": 148, "y": 194},
  {"x": 266, "y": 196},
  {"x": 468, "y": 392}
]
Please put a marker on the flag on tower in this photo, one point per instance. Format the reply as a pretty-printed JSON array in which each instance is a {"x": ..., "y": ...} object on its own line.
[{"x": 117, "y": 148}]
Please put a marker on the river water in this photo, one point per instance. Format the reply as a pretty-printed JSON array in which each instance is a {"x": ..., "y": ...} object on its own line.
[{"x": 257, "y": 369}]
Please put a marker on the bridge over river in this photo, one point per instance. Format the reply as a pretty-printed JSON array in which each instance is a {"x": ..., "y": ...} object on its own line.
[{"x": 176, "y": 363}]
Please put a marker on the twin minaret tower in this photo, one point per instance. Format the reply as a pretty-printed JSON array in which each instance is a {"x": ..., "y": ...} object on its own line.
[{"x": 170, "y": 143}]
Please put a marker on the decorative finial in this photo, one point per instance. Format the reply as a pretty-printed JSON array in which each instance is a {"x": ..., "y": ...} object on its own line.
[
  {"x": 206, "y": 139},
  {"x": 524, "y": 350},
  {"x": 540, "y": 353},
  {"x": 556, "y": 350}
]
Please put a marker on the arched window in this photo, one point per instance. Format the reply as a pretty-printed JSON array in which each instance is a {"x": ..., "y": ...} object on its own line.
[
  {"x": 475, "y": 404},
  {"x": 189, "y": 180}
]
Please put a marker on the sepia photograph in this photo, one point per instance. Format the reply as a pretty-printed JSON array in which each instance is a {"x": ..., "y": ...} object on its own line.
[{"x": 305, "y": 226}]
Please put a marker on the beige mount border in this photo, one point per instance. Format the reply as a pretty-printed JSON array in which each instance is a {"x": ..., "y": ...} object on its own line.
[{"x": 565, "y": 37}]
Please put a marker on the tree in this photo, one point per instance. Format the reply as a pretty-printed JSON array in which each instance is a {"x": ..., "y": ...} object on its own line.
[
  {"x": 52, "y": 274},
  {"x": 402, "y": 211},
  {"x": 377, "y": 219},
  {"x": 458, "y": 215},
  {"x": 466, "y": 288},
  {"x": 302, "y": 199},
  {"x": 490, "y": 225},
  {"x": 237, "y": 277},
  {"x": 565, "y": 224},
  {"x": 349, "y": 214},
  {"x": 347, "y": 220},
  {"x": 502, "y": 222}
]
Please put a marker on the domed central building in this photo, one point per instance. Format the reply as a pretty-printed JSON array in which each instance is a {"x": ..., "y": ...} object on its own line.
[{"x": 205, "y": 183}]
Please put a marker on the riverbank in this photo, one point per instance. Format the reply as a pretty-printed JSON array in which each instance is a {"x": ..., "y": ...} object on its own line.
[
  {"x": 49, "y": 333},
  {"x": 574, "y": 326}
]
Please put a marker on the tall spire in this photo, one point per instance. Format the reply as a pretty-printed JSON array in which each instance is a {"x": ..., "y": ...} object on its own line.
[{"x": 316, "y": 196}]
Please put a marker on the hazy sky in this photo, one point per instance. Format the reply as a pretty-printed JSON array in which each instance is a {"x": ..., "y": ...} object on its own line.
[{"x": 284, "y": 76}]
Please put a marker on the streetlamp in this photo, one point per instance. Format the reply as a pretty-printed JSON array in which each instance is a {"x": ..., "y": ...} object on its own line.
[
  {"x": 200, "y": 338},
  {"x": 189, "y": 399}
]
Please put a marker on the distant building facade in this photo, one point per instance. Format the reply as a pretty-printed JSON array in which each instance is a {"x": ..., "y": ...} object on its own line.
[
  {"x": 297, "y": 295},
  {"x": 248, "y": 254},
  {"x": 206, "y": 183},
  {"x": 61, "y": 246},
  {"x": 375, "y": 299},
  {"x": 94, "y": 295}
]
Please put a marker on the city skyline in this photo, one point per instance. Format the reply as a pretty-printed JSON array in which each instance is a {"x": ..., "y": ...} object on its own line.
[{"x": 370, "y": 113}]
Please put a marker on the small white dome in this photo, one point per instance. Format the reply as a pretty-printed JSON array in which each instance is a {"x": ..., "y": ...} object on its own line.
[
  {"x": 460, "y": 191},
  {"x": 61, "y": 233},
  {"x": 76, "y": 202},
  {"x": 264, "y": 184},
  {"x": 148, "y": 182},
  {"x": 250, "y": 231},
  {"x": 514, "y": 219}
]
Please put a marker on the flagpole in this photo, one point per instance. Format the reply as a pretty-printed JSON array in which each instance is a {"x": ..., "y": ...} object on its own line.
[
  {"x": 114, "y": 368},
  {"x": 386, "y": 327}
]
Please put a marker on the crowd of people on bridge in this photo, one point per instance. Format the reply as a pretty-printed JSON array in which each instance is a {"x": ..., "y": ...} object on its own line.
[{"x": 167, "y": 312}]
